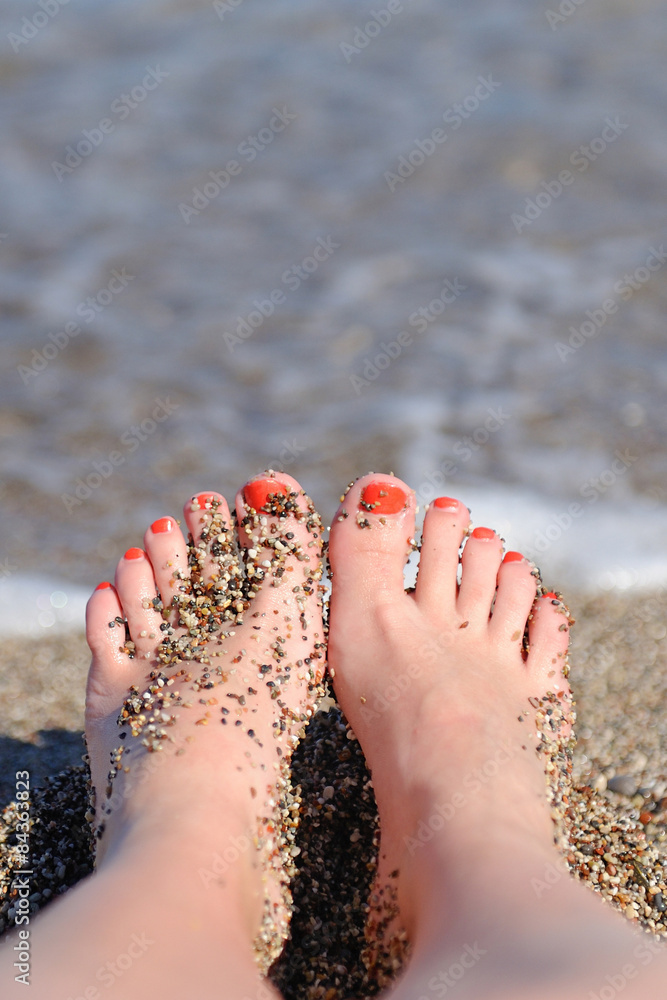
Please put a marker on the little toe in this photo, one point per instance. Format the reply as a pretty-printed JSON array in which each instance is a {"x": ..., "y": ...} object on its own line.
[
  {"x": 549, "y": 637},
  {"x": 168, "y": 553},
  {"x": 479, "y": 570},
  {"x": 371, "y": 540},
  {"x": 137, "y": 591},
  {"x": 111, "y": 672},
  {"x": 104, "y": 617},
  {"x": 517, "y": 586},
  {"x": 445, "y": 525}
]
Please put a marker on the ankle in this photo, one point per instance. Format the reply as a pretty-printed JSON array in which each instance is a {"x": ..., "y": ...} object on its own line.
[
  {"x": 482, "y": 873},
  {"x": 219, "y": 872}
]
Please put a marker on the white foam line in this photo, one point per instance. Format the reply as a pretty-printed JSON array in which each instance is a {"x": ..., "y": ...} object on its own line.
[
  {"x": 607, "y": 546},
  {"x": 610, "y": 546},
  {"x": 35, "y": 606}
]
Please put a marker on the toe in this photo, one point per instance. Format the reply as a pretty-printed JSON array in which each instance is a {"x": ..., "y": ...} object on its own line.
[
  {"x": 517, "y": 586},
  {"x": 479, "y": 570},
  {"x": 137, "y": 592},
  {"x": 168, "y": 553},
  {"x": 445, "y": 525},
  {"x": 105, "y": 628},
  {"x": 280, "y": 534},
  {"x": 549, "y": 636},
  {"x": 371, "y": 540},
  {"x": 111, "y": 671},
  {"x": 214, "y": 559}
]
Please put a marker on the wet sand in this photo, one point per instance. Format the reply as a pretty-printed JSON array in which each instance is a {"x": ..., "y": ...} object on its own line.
[{"x": 615, "y": 829}]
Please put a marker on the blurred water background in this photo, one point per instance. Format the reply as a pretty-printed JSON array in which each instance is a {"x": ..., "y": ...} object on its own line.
[{"x": 422, "y": 236}]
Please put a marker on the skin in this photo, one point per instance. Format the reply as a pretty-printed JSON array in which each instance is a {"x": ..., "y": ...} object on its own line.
[{"x": 466, "y": 891}]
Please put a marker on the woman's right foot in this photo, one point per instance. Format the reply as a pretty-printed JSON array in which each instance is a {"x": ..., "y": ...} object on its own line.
[
  {"x": 207, "y": 662},
  {"x": 450, "y": 702}
]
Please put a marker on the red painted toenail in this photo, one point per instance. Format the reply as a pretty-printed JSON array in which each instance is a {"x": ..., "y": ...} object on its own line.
[
  {"x": 103, "y": 586},
  {"x": 161, "y": 525},
  {"x": 204, "y": 500},
  {"x": 134, "y": 554},
  {"x": 513, "y": 557},
  {"x": 483, "y": 533},
  {"x": 446, "y": 503},
  {"x": 551, "y": 594},
  {"x": 383, "y": 498},
  {"x": 256, "y": 493}
]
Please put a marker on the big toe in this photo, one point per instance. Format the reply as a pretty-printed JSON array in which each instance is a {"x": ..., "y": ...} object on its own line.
[{"x": 371, "y": 540}]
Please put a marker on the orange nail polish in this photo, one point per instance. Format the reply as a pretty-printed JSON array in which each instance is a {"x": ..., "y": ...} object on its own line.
[
  {"x": 161, "y": 525},
  {"x": 483, "y": 533},
  {"x": 383, "y": 498},
  {"x": 513, "y": 557},
  {"x": 134, "y": 554},
  {"x": 256, "y": 493},
  {"x": 446, "y": 503},
  {"x": 103, "y": 586},
  {"x": 204, "y": 500}
]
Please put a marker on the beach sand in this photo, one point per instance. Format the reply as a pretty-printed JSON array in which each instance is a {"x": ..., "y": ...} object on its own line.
[{"x": 615, "y": 827}]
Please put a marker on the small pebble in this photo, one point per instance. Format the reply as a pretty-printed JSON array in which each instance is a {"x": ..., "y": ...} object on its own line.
[{"x": 624, "y": 784}]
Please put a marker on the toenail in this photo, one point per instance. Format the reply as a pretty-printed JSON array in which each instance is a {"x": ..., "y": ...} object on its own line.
[
  {"x": 161, "y": 525},
  {"x": 383, "y": 498},
  {"x": 483, "y": 533},
  {"x": 446, "y": 503},
  {"x": 256, "y": 493},
  {"x": 103, "y": 586},
  {"x": 551, "y": 594},
  {"x": 204, "y": 500},
  {"x": 134, "y": 554},
  {"x": 513, "y": 557}
]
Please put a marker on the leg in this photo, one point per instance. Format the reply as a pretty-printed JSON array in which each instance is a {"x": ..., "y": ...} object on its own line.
[
  {"x": 446, "y": 705},
  {"x": 223, "y": 655}
]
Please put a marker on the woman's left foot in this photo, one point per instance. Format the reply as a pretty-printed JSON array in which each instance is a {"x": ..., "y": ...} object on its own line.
[{"x": 207, "y": 661}]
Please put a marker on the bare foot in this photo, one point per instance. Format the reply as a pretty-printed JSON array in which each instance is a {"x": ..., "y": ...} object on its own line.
[
  {"x": 194, "y": 705},
  {"x": 450, "y": 703}
]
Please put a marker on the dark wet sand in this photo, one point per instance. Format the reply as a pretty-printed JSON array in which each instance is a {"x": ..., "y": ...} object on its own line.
[{"x": 618, "y": 808}]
